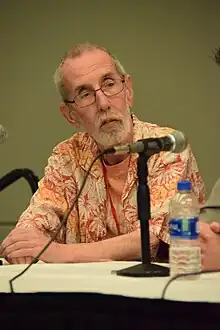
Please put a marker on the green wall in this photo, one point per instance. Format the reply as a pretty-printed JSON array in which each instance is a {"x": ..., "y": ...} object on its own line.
[{"x": 164, "y": 45}]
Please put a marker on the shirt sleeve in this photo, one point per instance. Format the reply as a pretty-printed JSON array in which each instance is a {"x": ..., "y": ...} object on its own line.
[
  {"x": 49, "y": 204},
  {"x": 165, "y": 170}
]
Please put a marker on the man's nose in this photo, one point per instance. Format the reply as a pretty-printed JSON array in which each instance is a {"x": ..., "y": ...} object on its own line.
[{"x": 102, "y": 100}]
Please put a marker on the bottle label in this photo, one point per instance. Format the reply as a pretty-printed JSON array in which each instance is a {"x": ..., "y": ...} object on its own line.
[{"x": 184, "y": 228}]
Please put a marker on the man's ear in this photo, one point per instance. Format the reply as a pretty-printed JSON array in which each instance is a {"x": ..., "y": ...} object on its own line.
[
  {"x": 69, "y": 114},
  {"x": 129, "y": 90}
]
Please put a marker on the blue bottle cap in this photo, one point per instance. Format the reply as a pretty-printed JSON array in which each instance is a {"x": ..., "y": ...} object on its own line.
[{"x": 184, "y": 185}]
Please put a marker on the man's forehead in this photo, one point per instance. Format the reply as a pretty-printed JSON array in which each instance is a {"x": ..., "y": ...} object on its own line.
[{"x": 95, "y": 62}]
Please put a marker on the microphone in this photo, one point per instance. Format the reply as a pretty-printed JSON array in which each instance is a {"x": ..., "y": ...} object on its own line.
[
  {"x": 3, "y": 134},
  {"x": 175, "y": 142}
]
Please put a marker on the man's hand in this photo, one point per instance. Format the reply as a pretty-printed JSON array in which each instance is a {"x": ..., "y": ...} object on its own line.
[
  {"x": 210, "y": 245},
  {"x": 23, "y": 244},
  {"x": 215, "y": 226}
]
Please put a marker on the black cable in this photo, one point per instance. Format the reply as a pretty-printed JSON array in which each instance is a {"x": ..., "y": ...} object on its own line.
[
  {"x": 172, "y": 279},
  {"x": 62, "y": 223}
]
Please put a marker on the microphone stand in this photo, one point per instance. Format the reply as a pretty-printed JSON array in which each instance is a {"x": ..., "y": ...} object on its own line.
[
  {"x": 146, "y": 268},
  {"x": 17, "y": 174}
]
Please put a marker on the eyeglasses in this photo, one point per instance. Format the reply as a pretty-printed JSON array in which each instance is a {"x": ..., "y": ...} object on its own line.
[{"x": 109, "y": 87}]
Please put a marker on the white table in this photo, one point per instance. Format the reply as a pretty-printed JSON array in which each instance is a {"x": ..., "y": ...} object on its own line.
[{"x": 98, "y": 278}]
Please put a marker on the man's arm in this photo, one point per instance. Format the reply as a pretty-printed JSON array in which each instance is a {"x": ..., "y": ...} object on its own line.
[
  {"x": 48, "y": 204},
  {"x": 25, "y": 242},
  {"x": 124, "y": 247}
]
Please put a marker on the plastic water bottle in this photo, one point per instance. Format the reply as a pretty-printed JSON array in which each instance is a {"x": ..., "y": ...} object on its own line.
[{"x": 184, "y": 251}]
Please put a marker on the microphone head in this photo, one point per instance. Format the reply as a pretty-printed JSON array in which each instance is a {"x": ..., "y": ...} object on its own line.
[
  {"x": 179, "y": 141},
  {"x": 3, "y": 134}
]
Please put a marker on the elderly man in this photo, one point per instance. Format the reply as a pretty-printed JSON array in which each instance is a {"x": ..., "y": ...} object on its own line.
[{"x": 97, "y": 95}]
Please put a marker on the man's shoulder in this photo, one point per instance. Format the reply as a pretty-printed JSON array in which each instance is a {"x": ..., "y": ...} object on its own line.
[
  {"x": 157, "y": 130},
  {"x": 147, "y": 129},
  {"x": 76, "y": 143}
]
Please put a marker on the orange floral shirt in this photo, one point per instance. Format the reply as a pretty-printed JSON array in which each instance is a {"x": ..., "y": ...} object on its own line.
[{"x": 91, "y": 218}]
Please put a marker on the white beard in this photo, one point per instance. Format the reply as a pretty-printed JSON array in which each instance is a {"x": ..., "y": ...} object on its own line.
[{"x": 115, "y": 134}]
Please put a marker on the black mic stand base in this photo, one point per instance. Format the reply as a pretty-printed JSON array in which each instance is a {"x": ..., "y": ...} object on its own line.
[{"x": 142, "y": 270}]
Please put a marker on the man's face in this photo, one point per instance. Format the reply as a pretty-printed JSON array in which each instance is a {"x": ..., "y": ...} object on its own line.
[{"x": 108, "y": 119}]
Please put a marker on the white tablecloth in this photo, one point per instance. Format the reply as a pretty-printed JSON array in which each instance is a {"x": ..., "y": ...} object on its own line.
[{"x": 98, "y": 278}]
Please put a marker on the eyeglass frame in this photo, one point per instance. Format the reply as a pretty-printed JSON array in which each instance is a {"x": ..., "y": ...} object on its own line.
[{"x": 95, "y": 92}]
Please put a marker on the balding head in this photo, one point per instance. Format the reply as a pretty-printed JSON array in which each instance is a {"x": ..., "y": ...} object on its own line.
[{"x": 74, "y": 52}]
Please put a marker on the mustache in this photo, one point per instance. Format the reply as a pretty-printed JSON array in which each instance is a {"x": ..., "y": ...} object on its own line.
[{"x": 101, "y": 120}]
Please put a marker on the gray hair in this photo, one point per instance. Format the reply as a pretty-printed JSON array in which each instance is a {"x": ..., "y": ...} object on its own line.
[{"x": 76, "y": 51}]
